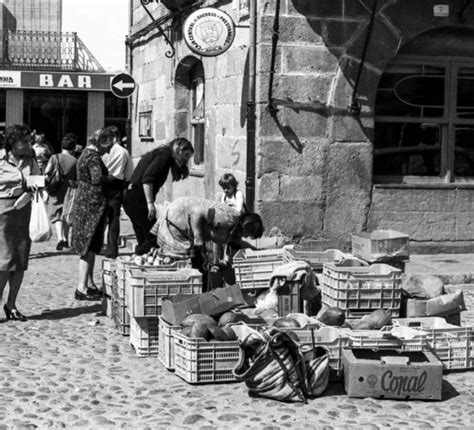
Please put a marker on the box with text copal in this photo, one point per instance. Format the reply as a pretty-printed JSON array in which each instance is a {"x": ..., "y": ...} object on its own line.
[{"x": 392, "y": 374}]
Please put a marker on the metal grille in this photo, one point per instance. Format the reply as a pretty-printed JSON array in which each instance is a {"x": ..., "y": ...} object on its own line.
[{"x": 44, "y": 50}]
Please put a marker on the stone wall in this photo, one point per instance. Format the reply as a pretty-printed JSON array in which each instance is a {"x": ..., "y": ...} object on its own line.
[
  {"x": 225, "y": 98},
  {"x": 315, "y": 157}
]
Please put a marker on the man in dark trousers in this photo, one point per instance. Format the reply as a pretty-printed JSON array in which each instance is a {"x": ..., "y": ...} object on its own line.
[{"x": 120, "y": 166}]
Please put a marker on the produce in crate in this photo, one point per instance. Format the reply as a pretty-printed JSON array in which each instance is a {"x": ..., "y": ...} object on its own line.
[
  {"x": 199, "y": 330},
  {"x": 286, "y": 322},
  {"x": 331, "y": 316},
  {"x": 202, "y": 319},
  {"x": 422, "y": 286},
  {"x": 374, "y": 321},
  {"x": 232, "y": 317}
]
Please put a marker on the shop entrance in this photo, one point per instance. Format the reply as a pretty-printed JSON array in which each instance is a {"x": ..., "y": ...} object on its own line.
[{"x": 56, "y": 113}]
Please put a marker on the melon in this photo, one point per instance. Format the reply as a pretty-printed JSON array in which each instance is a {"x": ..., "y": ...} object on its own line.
[
  {"x": 229, "y": 333},
  {"x": 198, "y": 319},
  {"x": 200, "y": 331},
  {"x": 217, "y": 334},
  {"x": 286, "y": 322},
  {"x": 231, "y": 317}
]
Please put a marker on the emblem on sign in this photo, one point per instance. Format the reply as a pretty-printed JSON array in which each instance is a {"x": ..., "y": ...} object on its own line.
[
  {"x": 122, "y": 85},
  {"x": 209, "y": 31}
]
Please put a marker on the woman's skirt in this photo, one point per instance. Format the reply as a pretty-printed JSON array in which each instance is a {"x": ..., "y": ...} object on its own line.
[{"x": 15, "y": 240}]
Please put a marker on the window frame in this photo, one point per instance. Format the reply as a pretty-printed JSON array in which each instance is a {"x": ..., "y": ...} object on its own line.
[{"x": 447, "y": 123}]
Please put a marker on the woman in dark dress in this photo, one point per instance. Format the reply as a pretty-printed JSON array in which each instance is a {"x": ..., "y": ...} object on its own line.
[
  {"x": 147, "y": 179},
  {"x": 16, "y": 163},
  {"x": 89, "y": 212}
]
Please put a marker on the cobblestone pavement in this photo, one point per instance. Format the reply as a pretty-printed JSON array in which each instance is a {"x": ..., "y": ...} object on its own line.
[{"x": 59, "y": 371}]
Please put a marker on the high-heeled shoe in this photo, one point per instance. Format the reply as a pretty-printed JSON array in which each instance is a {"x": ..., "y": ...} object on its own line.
[{"x": 13, "y": 314}]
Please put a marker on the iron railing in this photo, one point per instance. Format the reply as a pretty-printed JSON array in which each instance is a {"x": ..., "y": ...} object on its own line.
[{"x": 46, "y": 50}]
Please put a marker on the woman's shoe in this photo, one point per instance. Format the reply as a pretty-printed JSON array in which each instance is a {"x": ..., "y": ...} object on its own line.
[
  {"x": 13, "y": 314},
  {"x": 94, "y": 292},
  {"x": 65, "y": 244},
  {"x": 60, "y": 245},
  {"x": 78, "y": 295}
]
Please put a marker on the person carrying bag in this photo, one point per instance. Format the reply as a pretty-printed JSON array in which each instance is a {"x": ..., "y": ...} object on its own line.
[
  {"x": 40, "y": 228},
  {"x": 274, "y": 366}
]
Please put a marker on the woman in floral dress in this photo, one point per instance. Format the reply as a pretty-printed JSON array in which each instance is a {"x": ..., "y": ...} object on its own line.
[{"x": 89, "y": 212}]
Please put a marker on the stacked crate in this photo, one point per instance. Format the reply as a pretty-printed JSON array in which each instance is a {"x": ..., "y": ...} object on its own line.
[
  {"x": 109, "y": 284},
  {"x": 360, "y": 290},
  {"x": 144, "y": 288},
  {"x": 254, "y": 269}
]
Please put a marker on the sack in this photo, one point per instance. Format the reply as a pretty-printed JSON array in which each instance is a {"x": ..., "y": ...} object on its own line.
[
  {"x": 55, "y": 178},
  {"x": 274, "y": 366},
  {"x": 40, "y": 228},
  {"x": 68, "y": 206}
]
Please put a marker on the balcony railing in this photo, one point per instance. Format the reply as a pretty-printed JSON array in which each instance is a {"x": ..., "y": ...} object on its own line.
[{"x": 44, "y": 50}]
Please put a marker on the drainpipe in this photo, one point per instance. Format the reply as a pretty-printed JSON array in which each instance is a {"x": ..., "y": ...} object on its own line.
[
  {"x": 129, "y": 65},
  {"x": 250, "y": 178}
]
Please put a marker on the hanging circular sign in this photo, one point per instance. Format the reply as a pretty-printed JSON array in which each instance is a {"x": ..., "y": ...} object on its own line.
[{"x": 209, "y": 31}]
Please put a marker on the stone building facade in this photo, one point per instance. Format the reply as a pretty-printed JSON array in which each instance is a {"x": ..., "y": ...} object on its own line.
[{"x": 404, "y": 162}]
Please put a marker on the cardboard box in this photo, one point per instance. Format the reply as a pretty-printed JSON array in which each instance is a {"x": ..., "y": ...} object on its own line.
[
  {"x": 448, "y": 306},
  {"x": 176, "y": 308},
  {"x": 380, "y": 244},
  {"x": 392, "y": 374}
]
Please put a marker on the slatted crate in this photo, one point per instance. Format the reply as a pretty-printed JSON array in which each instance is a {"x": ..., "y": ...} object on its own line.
[
  {"x": 145, "y": 288},
  {"x": 452, "y": 345},
  {"x": 123, "y": 264},
  {"x": 316, "y": 259},
  {"x": 144, "y": 336},
  {"x": 166, "y": 343},
  {"x": 109, "y": 277},
  {"x": 121, "y": 315},
  {"x": 361, "y": 288},
  {"x": 254, "y": 269},
  {"x": 198, "y": 361}
]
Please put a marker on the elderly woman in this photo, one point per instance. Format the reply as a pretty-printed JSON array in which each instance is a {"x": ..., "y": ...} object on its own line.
[
  {"x": 89, "y": 212},
  {"x": 148, "y": 177},
  {"x": 16, "y": 163},
  {"x": 189, "y": 222}
]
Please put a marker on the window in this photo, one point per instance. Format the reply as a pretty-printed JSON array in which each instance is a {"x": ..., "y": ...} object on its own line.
[
  {"x": 424, "y": 118},
  {"x": 189, "y": 109},
  {"x": 197, "y": 118}
]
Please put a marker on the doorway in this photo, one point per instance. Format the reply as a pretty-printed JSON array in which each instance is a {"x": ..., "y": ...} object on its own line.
[{"x": 56, "y": 113}]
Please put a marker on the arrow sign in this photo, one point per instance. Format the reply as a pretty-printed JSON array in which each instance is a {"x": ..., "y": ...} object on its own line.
[{"x": 122, "y": 85}]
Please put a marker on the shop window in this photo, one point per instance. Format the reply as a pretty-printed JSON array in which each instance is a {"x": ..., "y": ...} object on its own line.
[
  {"x": 190, "y": 106},
  {"x": 424, "y": 120}
]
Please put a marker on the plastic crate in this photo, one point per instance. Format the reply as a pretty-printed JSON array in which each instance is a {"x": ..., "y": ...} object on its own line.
[
  {"x": 329, "y": 337},
  {"x": 109, "y": 279},
  {"x": 357, "y": 314},
  {"x": 316, "y": 259},
  {"x": 254, "y": 269},
  {"x": 107, "y": 305},
  {"x": 366, "y": 288},
  {"x": 121, "y": 315},
  {"x": 123, "y": 265},
  {"x": 166, "y": 343},
  {"x": 403, "y": 338},
  {"x": 199, "y": 362},
  {"x": 452, "y": 345},
  {"x": 289, "y": 298},
  {"x": 144, "y": 336},
  {"x": 144, "y": 288}
]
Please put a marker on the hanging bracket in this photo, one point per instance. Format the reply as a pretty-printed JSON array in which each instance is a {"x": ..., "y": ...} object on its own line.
[{"x": 171, "y": 51}]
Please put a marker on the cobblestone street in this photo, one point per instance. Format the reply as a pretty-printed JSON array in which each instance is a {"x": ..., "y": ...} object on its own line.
[{"x": 62, "y": 370}]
